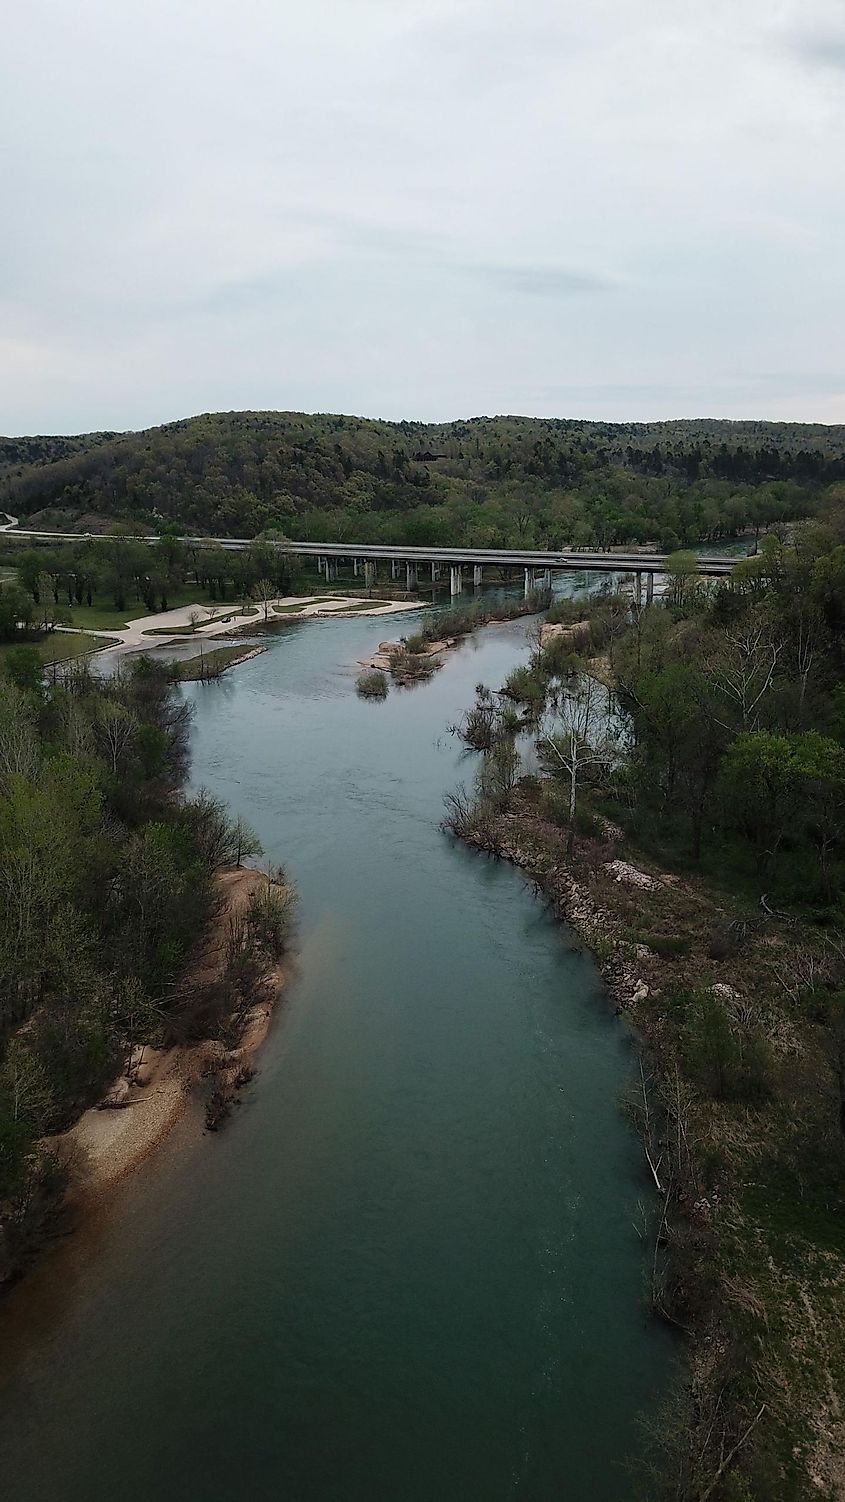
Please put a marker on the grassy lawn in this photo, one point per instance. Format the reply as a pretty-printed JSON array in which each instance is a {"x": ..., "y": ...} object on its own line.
[
  {"x": 170, "y": 631},
  {"x": 208, "y": 664},
  {"x": 102, "y": 616},
  {"x": 365, "y": 606},
  {"x": 299, "y": 606},
  {"x": 190, "y": 629},
  {"x": 58, "y": 646},
  {"x": 360, "y": 606}
]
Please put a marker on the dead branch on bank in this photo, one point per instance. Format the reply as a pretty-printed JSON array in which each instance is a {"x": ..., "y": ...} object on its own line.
[{"x": 732, "y": 1452}]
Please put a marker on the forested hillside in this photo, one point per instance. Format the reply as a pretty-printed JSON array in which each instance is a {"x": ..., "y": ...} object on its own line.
[
  {"x": 489, "y": 481},
  {"x": 17, "y": 454}
]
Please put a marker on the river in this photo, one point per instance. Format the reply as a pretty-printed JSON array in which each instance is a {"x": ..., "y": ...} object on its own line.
[{"x": 408, "y": 1267}]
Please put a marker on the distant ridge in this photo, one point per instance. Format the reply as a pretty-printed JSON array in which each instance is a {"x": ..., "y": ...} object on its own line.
[{"x": 510, "y": 479}]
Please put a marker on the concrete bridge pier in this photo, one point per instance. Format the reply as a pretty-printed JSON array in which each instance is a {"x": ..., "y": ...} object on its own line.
[
  {"x": 435, "y": 572},
  {"x": 395, "y": 567},
  {"x": 638, "y": 588},
  {"x": 649, "y": 588},
  {"x": 356, "y": 564},
  {"x": 477, "y": 571},
  {"x": 369, "y": 573},
  {"x": 456, "y": 582},
  {"x": 535, "y": 580},
  {"x": 411, "y": 575}
]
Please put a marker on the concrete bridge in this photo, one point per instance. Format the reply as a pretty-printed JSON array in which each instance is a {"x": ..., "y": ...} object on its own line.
[{"x": 537, "y": 565}]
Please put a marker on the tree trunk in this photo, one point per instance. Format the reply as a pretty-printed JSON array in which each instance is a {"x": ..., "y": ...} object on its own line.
[
  {"x": 697, "y": 822},
  {"x": 573, "y": 793}
]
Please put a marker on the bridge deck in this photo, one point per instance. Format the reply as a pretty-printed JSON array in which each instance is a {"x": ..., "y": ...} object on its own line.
[{"x": 616, "y": 562}]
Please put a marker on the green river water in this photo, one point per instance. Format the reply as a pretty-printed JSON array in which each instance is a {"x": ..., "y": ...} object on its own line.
[{"x": 407, "y": 1270}]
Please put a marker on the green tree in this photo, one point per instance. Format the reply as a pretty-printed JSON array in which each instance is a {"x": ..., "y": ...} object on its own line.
[
  {"x": 820, "y": 768},
  {"x": 681, "y": 570},
  {"x": 244, "y": 843},
  {"x": 25, "y": 669},
  {"x": 759, "y": 783}
]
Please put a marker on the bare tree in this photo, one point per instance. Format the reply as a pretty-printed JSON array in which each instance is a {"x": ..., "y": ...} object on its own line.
[
  {"x": 639, "y": 610},
  {"x": 745, "y": 672},
  {"x": 809, "y": 636},
  {"x": 263, "y": 593},
  {"x": 136, "y": 1019},
  {"x": 497, "y": 775},
  {"x": 18, "y": 745},
  {"x": 576, "y": 737},
  {"x": 25, "y": 1081},
  {"x": 50, "y": 613},
  {"x": 244, "y": 841},
  {"x": 118, "y": 727}
]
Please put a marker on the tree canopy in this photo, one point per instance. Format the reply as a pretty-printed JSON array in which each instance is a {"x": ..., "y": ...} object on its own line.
[{"x": 495, "y": 481}]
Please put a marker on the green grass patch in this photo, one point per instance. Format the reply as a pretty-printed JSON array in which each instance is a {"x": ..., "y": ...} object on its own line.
[
  {"x": 359, "y": 607},
  {"x": 299, "y": 605},
  {"x": 173, "y": 630},
  {"x": 365, "y": 607},
  {"x": 191, "y": 628},
  {"x": 207, "y": 664},
  {"x": 668, "y": 944},
  {"x": 102, "y": 615},
  {"x": 58, "y": 646},
  {"x": 791, "y": 1226}
]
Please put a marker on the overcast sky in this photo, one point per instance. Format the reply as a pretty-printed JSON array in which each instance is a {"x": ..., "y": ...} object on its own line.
[{"x": 627, "y": 209}]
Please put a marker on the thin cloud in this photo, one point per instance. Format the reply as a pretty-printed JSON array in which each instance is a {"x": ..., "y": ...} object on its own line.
[
  {"x": 421, "y": 207},
  {"x": 543, "y": 281},
  {"x": 820, "y": 49}
]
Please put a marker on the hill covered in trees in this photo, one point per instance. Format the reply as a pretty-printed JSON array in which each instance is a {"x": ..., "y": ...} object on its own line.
[{"x": 494, "y": 481}]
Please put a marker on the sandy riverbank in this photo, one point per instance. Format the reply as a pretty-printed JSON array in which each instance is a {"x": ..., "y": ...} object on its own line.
[
  {"x": 383, "y": 659},
  {"x": 110, "y": 1141},
  {"x": 202, "y": 622}
]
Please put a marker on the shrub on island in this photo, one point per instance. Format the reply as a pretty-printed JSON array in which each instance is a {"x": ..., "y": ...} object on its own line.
[{"x": 371, "y": 684}]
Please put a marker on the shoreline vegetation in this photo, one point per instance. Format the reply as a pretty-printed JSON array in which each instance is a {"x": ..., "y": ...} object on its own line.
[
  {"x": 207, "y": 666},
  {"x": 688, "y": 823},
  {"x": 56, "y": 644},
  {"x": 138, "y": 954},
  {"x": 416, "y": 658},
  {"x": 112, "y": 1138}
]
